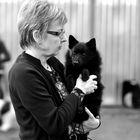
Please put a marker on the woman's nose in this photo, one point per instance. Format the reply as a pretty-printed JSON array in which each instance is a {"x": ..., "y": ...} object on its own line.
[{"x": 64, "y": 38}]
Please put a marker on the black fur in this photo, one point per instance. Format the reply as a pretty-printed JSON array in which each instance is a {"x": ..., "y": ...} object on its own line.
[
  {"x": 131, "y": 86},
  {"x": 84, "y": 58}
]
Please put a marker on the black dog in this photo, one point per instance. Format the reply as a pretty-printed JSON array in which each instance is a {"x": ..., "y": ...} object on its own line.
[
  {"x": 131, "y": 87},
  {"x": 84, "y": 58}
]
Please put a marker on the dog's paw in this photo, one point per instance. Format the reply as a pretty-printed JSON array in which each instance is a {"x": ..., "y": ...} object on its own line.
[{"x": 85, "y": 74}]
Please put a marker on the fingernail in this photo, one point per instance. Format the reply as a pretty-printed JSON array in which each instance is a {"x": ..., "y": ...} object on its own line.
[
  {"x": 97, "y": 117},
  {"x": 86, "y": 108}
]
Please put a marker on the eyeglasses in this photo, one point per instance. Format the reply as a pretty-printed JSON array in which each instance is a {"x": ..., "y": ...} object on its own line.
[{"x": 59, "y": 34}]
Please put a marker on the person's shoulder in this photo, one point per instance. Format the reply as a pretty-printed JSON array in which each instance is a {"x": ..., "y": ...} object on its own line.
[
  {"x": 20, "y": 66},
  {"x": 22, "y": 71}
]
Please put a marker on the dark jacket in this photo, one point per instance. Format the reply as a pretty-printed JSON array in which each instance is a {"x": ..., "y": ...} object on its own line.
[{"x": 40, "y": 112}]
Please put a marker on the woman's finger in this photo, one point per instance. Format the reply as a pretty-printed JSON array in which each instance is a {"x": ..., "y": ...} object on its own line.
[
  {"x": 97, "y": 117},
  {"x": 80, "y": 76},
  {"x": 92, "y": 76},
  {"x": 89, "y": 113}
]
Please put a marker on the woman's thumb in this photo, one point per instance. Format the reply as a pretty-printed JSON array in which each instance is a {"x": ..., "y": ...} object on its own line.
[
  {"x": 88, "y": 112},
  {"x": 80, "y": 76}
]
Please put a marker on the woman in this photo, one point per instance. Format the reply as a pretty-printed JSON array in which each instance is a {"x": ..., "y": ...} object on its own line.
[{"x": 44, "y": 109}]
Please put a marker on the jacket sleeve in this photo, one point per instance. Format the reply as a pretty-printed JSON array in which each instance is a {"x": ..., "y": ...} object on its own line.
[{"x": 36, "y": 99}]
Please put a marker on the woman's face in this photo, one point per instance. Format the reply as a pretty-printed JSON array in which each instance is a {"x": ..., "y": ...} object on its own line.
[{"x": 53, "y": 39}]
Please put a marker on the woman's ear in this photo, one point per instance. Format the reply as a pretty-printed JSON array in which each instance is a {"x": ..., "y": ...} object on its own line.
[{"x": 36, "y": 36}]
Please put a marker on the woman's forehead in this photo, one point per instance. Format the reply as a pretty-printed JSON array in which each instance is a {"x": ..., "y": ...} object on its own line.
[{"x": 56, "y": 25}]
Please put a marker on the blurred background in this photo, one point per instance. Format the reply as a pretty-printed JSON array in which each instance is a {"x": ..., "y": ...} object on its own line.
[{"x": 115, "y": 24}]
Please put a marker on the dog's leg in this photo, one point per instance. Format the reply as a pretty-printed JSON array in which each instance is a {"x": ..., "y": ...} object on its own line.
[{"x": 85, "y": 74}]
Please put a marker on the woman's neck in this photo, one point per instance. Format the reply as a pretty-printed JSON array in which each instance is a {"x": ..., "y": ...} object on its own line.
[
  {"x": 43, "y": 59},
  {"x": 36, "y": 53}
]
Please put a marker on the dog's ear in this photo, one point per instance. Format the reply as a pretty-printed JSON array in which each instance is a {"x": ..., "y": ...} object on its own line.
[
  {"x": 92, "y": 44},
  {"x": 72, "y": 41}
]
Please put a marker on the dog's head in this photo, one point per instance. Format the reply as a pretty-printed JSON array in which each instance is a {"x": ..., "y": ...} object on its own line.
[{"x": 81, "y": 52}]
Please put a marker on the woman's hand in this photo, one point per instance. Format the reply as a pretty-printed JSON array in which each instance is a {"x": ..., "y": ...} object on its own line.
[
  {"x": 87, "y": 86},
  {"x": 92, "y": 122}
]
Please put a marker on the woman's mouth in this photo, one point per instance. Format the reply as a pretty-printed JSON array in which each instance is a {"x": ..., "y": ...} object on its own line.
[{"x": 60, "y": 47}]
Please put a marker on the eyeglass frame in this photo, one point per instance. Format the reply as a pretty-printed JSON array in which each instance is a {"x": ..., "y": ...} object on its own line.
[{"x": 55, "y": 33}]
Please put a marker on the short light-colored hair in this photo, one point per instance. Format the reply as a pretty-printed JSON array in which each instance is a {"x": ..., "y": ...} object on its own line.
[{"x": 37, "y": 15}]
